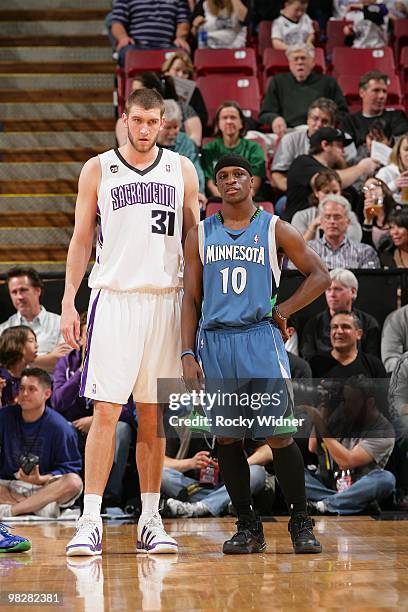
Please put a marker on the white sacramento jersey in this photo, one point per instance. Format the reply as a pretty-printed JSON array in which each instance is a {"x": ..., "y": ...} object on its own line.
[{"x": 141, "y": 217}]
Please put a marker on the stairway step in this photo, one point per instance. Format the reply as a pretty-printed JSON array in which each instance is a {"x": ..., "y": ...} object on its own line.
[
  {"x": 64, "y": 140},
  {"x": 44, "y": 187},
  {"x": 59, "y": 125},
  {"x": 22, "y": 110},
  {"x": 57, "y": 67},
  {"x": 19, "y": 253},
  {"x": 59, "y": 14},
  {"x": 27, "y": 236},
  {"x": 40, "y": 170},
  {"x": 22, "y": 26},
  {"x": 42, "y": 266},
  {"x": 68, "y": 41},
  {"x": 56, "y": 53},
  {"x": 50, "y": 154},
  {"x": 57, "y": 95},
  {"x": 36, "y": 203},
  {"x": 36, "y": 219},
  {"x": 62, "y": 82},
  {"x": 36, "y": 5}
]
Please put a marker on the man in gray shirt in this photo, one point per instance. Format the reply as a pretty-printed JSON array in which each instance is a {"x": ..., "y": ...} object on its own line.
[{"x": 394, "y": 339}]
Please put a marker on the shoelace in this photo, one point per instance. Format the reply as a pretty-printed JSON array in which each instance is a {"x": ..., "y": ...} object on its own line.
[
  {"x": 87, "y": 524},
  {"x": 156, "y": 522},
  {"x": 5, "y": 528}
]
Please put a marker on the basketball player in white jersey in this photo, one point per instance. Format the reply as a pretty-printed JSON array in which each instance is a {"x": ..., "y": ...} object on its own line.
[{"x": 145, "y": 199}]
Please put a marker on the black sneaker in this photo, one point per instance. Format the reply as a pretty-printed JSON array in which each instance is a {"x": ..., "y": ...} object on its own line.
[
  {"x": 248, "y": 539},
  {"x": 300, "y": 528}
]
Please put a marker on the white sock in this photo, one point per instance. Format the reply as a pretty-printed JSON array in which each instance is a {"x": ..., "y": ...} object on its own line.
[
  {"x": 150, "y": 503},
  {"x": 92, "y": 504}
]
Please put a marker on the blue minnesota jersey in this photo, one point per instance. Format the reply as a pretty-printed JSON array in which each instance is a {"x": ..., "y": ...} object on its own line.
[{"x": 240, "y": 271}]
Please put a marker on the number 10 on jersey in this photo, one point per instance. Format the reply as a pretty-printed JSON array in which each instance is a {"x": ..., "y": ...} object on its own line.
[{"x": 238, "y": 279}]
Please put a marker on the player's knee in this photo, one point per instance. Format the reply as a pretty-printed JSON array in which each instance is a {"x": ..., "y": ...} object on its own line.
[
  {"x": 280, "y": 442},
  {"x": 107, "y": 414}
]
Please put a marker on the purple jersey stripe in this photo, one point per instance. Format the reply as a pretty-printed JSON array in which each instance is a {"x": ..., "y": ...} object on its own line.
[{"x": 88, "y": 344}]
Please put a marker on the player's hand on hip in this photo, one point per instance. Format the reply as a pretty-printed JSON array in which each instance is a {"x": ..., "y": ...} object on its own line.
[
  {"x": 70, "y": 326},
  {"x": 282, "y": 325},
  {"x": 192, "y": 373}
]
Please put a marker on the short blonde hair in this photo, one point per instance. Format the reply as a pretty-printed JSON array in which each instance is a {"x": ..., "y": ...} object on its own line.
[
  {"x": 395, "y": 157},
  {"x": 181, "y": 55}
]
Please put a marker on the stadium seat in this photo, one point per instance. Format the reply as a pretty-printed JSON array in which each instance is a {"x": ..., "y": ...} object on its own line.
[
  {"x": 241, "y": 88},
  {"x": 137, "y": 61},
  {"x": 221, "y": 61},
  {"x": 212, "y": 208},
  {"x": 346, "y": 60},
  {"x": 349, "y": 85},
  {"x": 268, "y": 206},
  {"x": 400, "y": 36},
  {"x": 264, "y": 37},
  {"x": 268, "y": 160},
  {"x": 403, "y": 64},
  {"x": 275, "y": 61},
  {"x": 335, "y": 35}
]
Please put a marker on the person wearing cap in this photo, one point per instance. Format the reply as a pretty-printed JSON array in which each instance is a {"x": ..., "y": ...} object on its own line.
[
  {"x": 326, "y": 151},
  {"x": 289, "y": 94},
  {"x": 232, "y": 273}
]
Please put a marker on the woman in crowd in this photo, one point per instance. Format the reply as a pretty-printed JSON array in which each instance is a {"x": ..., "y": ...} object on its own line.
[
  {"x": 395, "y": 175},
  {"x": 221, "y": 24},
  {"x": 307, "y": 221},
  {"x": 18, "y": 349},
  {"x": 377, "y": 206},
  {"x": 179, "y": 65},
  {"x": 397, "y": 255},
  {"x": 229, "y": 131},
  {"x": 191, "y": 123}
]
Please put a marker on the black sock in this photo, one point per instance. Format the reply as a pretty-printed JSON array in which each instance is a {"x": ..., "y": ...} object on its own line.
[
  {"x": 289, "y": 470},
  {"x": 235, "y": 472}
]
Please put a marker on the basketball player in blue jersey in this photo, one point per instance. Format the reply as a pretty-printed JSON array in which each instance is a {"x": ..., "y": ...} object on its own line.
[
  {"x": 230, "y": 331},
  {"x": 145, "y": 199}
]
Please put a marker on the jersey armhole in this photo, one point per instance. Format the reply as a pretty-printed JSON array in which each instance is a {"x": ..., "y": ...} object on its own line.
[
  {"x": 201, "y": 240},
  {"x": 273, "y": 255}
]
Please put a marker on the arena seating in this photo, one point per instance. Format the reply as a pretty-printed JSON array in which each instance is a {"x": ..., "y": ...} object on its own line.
[
  {"x": 346, "y": 60},
  {"x": 218, "y": 88},
  {"x": 400, "y": 36},
  {"x": 216, "y": 61},
  {"x": 349, "y": 84}
]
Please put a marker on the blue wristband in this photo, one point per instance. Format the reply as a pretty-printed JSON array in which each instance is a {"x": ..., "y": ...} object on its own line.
[{"x": 188, "y": 352}]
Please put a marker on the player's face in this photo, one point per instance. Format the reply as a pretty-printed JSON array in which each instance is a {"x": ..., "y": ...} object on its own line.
[
  {"x": 234, "y": 184},
  {"x": 374, "y": 97},
  {"x": 25, "y": 297},
  {"x": 143, "y": 127}
]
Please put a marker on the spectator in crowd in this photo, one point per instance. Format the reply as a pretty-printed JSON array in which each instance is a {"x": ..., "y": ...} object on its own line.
[
  {"x": 171, "y": 138},
  {"x": 40, "y": 461},
  {"x": 373, "y": 93},
  {"x": 345, "y": 358},
  {"x": 378, "y": 131},
  {"x": 368, "y": 24},
  {"x": 395, "y": 175},
  {"x": 229, "y": 135},
  {"x": 321, "y": 113},
  {"x": 394, "y": 338},
  {"x": 307, "y": 221},
  {"x": 181, "y": 475},
  {"x": 138, "y": 24},
  {"x": 179, "y": 66},
  {"x": 398, "y": 9},
  {"x": 18, "y": 349},
  {"x": 25, "y": 288},
  {"x": 398, "y": 409},
  {"x": 334, "y": 247},
  {"x": 289, "y": 94},
  {"x": 396, "y": 256},
  {"x": 326, "y": 151},
  {"x": 340, "y": 296},
  {"x": 221, "y": 24},
  {"x": 191, "y": 124},
  {"x": 293, "y": 26},
  {"x": 377, "y": 208},
  {"x": 78, "y": 410},
  {"x": 362, "y": 455}
]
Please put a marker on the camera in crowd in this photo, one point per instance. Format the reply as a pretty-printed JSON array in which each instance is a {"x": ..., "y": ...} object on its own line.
[{"x": 28, "y": 462}]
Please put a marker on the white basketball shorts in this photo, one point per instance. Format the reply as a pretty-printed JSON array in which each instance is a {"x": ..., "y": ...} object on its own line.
[{"x": 133, "y": 341}]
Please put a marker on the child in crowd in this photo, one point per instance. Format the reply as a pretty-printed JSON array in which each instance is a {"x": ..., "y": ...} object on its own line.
[
  {"x": 369, "y": 24},
  {"x": 293, "y": 26}
]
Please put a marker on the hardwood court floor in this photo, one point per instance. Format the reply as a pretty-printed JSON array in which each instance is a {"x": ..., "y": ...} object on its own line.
[{"x": 364, "y": 566}]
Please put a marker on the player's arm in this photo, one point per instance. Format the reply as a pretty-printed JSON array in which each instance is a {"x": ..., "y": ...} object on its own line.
[
  {"x": 80, "y": 247},
  {"x": 191, "y": 207},
  {"x": 191, "y": 308},
  {"x": 317, "y": 280}
]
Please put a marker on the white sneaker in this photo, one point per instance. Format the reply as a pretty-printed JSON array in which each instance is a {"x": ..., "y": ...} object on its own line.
[
  {"x": 88, "y": 537},
  {"x": 51, "y": 510},
  {"x": 186, "y": 509},
  {"x": 5, "y": 511},
  {"x": 152, "y": 538}
]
